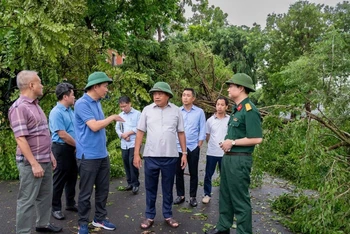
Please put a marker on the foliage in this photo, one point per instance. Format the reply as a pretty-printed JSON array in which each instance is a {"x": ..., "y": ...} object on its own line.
[
  {"x": 288, "y": 203},
  {"x": 297, "y": 150},
  {"x": 115, "y": 156},
  {"x": 8, "y": 167},
  {"x": 301, "y": 60}
]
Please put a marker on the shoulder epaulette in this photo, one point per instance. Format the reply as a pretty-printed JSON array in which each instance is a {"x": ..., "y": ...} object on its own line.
[{"x": 248, "y": 107}]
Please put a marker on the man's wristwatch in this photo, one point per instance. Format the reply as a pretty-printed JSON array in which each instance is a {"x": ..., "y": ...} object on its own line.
[
  {"x": 184, "y": 152},
  {"x": 233, "y": 142}
]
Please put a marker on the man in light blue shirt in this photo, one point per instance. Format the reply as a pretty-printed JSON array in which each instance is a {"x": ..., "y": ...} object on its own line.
[
  {"x": 127, "y": 133},
  {"x": 194, "y": 120},
  {"x": 65, "y": 175}
]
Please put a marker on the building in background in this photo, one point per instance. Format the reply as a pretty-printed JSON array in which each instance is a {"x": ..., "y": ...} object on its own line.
[{"x": 114, "y": 58}]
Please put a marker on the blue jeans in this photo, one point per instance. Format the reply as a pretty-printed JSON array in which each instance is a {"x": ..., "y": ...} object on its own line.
[{"x": 209, "y": 171}]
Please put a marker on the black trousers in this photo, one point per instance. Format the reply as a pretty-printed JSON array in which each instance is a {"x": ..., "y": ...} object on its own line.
[
  {"x": 132, "y": 173},
  {"x": 192, "y": 161},
  {"x": 93, "y": 172},
  {"x": 64, "y": 176}
]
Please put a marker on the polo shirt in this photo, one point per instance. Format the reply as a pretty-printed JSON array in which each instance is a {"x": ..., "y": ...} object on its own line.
[
  {"x": 245, "y": 121},
  {"x": 28, "y": 120},
  {"x": 194, "y": 122},
  {"x": 61, "y": 119},
  {"x": 131, "y": 119},
  {"x": 93, "y": 145},
  {"x": 162, "y": 126},
  {"x": 217, "y": 128}
]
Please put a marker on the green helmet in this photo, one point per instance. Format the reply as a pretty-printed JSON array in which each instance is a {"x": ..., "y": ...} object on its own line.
[
  {"x": 243, "y": 80},
  {"x": 162, "y": 87},
  {"x": 97, "y": 78}
]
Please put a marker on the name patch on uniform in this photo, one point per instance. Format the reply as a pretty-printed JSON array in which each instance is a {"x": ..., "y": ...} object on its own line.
[{"x": 248, "y": 107}]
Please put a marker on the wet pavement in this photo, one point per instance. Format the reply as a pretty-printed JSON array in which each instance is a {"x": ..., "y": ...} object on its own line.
[{"x": 127, "y": 210}]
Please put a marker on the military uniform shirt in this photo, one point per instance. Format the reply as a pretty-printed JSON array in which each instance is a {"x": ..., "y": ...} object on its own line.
[{"x": 245, "y": 121}]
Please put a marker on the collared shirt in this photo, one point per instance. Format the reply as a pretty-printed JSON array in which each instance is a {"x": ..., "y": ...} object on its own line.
[
  {"x": 130, "y": 124},
  {"x": 93, "y": 145},
  {"x": 61, "y": 118},
  {"x": 28, "y": 120},
  {"x": 194, "y": 121},
  {"x": 162, "y": 126},
  {"x": 217, "y": 128},
  {"x": 244, "y": 123}
]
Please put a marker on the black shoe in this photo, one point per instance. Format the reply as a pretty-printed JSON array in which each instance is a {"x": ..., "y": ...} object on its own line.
[
  {"x": 72, "y": 208},
  {"x": 57, "y": 214},
  {"x": 49, "y": 228},
  {"x": 179, "y": 200},
  {"x": 216, "y": 231},
  {"x": 135, "y": 189},
  {"x": 128, "y": 188},
  {"x": 193, "y": 202}
]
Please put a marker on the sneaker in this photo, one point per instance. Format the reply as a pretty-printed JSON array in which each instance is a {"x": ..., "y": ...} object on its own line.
[
  {"x": 206, "y": 199},
  {"x": 105, "y": 224},
  {"x": 83, "y": 229}
]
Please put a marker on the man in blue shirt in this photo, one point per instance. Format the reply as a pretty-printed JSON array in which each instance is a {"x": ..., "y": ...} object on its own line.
[
  {"x": 92, "y": 155},
  {"x": 63, "y": 148},
  {"x": 194, "y": 120},
  {"x": 127, "y": 133}
]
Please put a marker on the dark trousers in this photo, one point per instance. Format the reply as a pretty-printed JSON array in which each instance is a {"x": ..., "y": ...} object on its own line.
[
  {"x": 153, "y": 167},
  {"x": 132, "y": 173},
  {"x": 93, "y": 172},
  {"x": 192, "y": 161},
  {"x": 64, "y": 176},
  {"x": 210, "y": 167}
]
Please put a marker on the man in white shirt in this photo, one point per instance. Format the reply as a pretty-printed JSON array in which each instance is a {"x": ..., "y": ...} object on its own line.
[{"x": 216, "y": 128}]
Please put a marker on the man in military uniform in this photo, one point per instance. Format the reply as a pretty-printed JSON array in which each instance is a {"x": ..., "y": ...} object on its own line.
[{"x": 244, "y": 132}]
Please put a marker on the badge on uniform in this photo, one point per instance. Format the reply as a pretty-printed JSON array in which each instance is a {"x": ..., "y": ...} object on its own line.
[
  {"x": 235, "y": 119},
  {"x": 239, "y": 107},
  {"x": 248, "y": 107}
]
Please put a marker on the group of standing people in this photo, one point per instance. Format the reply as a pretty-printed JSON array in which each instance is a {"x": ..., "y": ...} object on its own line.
[{"x": 174, "y": 136}]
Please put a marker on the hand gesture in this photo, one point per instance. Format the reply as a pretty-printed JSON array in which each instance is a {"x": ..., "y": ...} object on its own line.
[{"x": 117, "y": 118}]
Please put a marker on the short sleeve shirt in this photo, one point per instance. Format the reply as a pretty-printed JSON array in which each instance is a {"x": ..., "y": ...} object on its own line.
[
  {"x": 93, "y": 145},
  {"x": 245, "y": 121},
  {"x": 162, "y": 126},
  {"x": 61, "y": 119},
  {"x": 28, "y": 120},
  {"x": 217, "y": 128}
]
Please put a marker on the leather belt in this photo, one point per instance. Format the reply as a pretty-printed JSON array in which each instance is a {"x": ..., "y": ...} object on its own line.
[
  {"x": 238, "y": 154},
  {"x": 59, "y": 143}
]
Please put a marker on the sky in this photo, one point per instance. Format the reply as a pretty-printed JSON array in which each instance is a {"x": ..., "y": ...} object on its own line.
[{"x": 246, "y": 12}]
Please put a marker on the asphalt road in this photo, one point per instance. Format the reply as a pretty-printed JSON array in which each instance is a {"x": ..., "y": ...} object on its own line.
[{"x": 127, "y": 210}]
